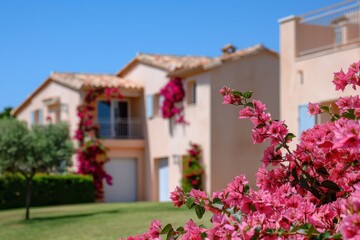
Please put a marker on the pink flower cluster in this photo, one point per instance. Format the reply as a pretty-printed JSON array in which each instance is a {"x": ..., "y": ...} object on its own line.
[
  {"x": 352, "y": 77},
  {"x": 305, "y": 193},
  {"x": 153, "y": 232},
  {"x": 91, "y": 153},
  {"x": 173, "y": 93},
  {"x": 350, "y": 224},
  {"x": 193, "y": 170}
]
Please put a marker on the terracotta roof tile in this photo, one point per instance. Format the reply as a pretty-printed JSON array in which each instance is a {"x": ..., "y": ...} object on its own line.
[
  {"x": 79, "y": 80},
  {"x": 173, "y": 62}
]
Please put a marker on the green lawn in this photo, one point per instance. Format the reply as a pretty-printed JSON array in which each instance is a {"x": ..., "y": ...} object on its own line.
[{"x": 90, "y": 221}]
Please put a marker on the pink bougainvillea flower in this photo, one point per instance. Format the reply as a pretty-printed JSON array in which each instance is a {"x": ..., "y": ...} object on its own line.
[
  {"x": 314, "y": 108},
  {"x": 177, "y": 197}
]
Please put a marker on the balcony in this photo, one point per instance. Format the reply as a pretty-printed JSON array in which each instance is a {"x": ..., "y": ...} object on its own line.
[
  {"x": 332, "y": 28},
  {"x": 121, "y": 128}
]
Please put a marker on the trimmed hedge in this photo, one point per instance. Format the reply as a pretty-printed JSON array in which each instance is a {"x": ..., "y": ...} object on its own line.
[{"x": 47, "y": 190}]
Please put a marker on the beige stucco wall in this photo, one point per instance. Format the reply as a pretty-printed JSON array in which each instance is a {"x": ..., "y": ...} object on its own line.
[
  {"x": 156, "y": 128},
  {"x": 196, "y": 131},
  {"x": 232, "y": 150},
  {"x": 317, "y": 69},
  {"x": 69, "y": 100}
]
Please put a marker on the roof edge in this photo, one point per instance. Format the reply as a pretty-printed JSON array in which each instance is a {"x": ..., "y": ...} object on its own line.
[
  {"x": 22, "y": 105},
  {"x": 258, "y": 48}
]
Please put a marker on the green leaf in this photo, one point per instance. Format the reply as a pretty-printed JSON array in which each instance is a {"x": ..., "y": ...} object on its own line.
[
  {"x": 253, "y": 208},
  {"x": 303, "y": 183},
  {"x": 323, "y": 172},
  {"x": 333, "y": 119},
  {"x": 330, "y": 185},
  {"x": 270, "y": 230},
  {"x": 336, "y": 236},
  {"x": 166, "y": 229},
  {"x": 277, "y": 148},
  {"x": 261, "y": 125},
  {"x": 190, "y": 203},
  {"x": 246, "y": 190},
  {"x": 248, "y": 94},
  {"x": 238, "y": 216},
  {"x": 325, "y": 108},
  {"x": 203, "y": 235},
  {"x": 170, "y": 234},
  {"x": 217, "y": 204},
  {"x": 180, "y": 229},
  {"x": 199, "y": 211},
  {"x": 250, "y": 104},
  {"x": 323, "y": 235},
  {"x": 289, "y": 136},
  {"x": 311, "y": 231},
  {"x": 257, "y": 233},
  {"x": 294, "y": 174},
  {"x": 237, "y": 93},
  {"x": 349, "y": 114},
  {"x": 231, "y": 210}
]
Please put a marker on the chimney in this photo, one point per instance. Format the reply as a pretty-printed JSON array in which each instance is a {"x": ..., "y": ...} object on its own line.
[{"x": 228, "y": 49}]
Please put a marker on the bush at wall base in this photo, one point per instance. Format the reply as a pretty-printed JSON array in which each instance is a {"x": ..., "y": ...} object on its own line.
[{"x": 47, "y": 190}]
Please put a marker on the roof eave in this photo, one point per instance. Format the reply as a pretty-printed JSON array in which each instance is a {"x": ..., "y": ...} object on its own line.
[
  {"x": 184, "y": 73},
  {"x": 122, "y": 72}
]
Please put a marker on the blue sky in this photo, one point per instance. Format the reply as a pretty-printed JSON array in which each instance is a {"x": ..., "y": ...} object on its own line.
[{"x": 100, "y": 36}]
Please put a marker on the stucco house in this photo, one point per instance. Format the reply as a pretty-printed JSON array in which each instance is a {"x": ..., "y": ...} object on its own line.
[
  {"x": 146, "y": 150},
  {"x": 312, "y": 47}
]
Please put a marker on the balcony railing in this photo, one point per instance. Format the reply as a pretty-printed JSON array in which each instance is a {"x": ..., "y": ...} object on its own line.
[
  {"x": 333, "y": 27},
  {"x": 121, "y": 128}
]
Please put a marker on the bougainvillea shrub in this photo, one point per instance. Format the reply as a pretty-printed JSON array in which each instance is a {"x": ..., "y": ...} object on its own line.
[
  {"x": 91, "y": 153},
  {"x": 173, "y": 93},
  {"x": 193, "y": 170},
  {"x": 312, "y": 192}
]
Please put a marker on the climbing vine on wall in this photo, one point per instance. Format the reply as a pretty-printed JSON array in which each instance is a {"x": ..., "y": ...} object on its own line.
[
  {"x": 193, "y": 170},
  {"x": 173, "y": 93},
  {"x": 91, "y": 152}
]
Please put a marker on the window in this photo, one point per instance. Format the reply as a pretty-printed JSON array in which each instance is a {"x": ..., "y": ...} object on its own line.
[
  {"x": 36, "y": 117},
  {"x": 113, "y": 119},
  {"x": 305, "y": 120},
  {"x": 149, "y": 106},
  {"x": 339, "y": 38},
  {"x": 191, "y": 92},
  {"x": 158, "y": 101},
  {"x": 54, "y": 113}
]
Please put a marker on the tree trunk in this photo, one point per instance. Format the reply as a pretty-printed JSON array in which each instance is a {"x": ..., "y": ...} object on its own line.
[
  {"x": 28, "y": 197},
  {"x": 28, "y": 191}
]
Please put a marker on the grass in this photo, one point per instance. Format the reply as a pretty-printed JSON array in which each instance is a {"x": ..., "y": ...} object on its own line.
[{"x": 100, "y": 221}]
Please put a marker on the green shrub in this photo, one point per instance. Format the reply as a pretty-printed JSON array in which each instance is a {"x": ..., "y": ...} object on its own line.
[{"x": 47, "y": 190}]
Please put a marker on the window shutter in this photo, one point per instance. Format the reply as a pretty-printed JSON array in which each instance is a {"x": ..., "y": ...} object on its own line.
[
  {"x": 32, "y": 118},
  {"x": 305, "y": 120},
  {"x": 41, "y": 117},
  {"x": 149, "y": 106}
]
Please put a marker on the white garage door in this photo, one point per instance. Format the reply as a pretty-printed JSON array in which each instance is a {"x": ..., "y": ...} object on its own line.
[{"x": 123, "y": 172}]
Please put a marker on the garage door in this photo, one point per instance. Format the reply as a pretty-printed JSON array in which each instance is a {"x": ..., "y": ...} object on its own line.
[
  {"x": 163, "y": 171},
  {"x": 123, "y": 172}
]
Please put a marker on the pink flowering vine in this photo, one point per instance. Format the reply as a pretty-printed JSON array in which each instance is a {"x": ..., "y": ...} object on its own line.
[
  {"x": 173, "y": 93},
  {"x": 311, "y": 192},
  {"x": 193, "y": 170},
  {"x": 91, "y": 153}
]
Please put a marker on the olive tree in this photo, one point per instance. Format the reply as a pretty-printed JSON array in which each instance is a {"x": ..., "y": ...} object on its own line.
[{"x": 28, "y": 151}]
